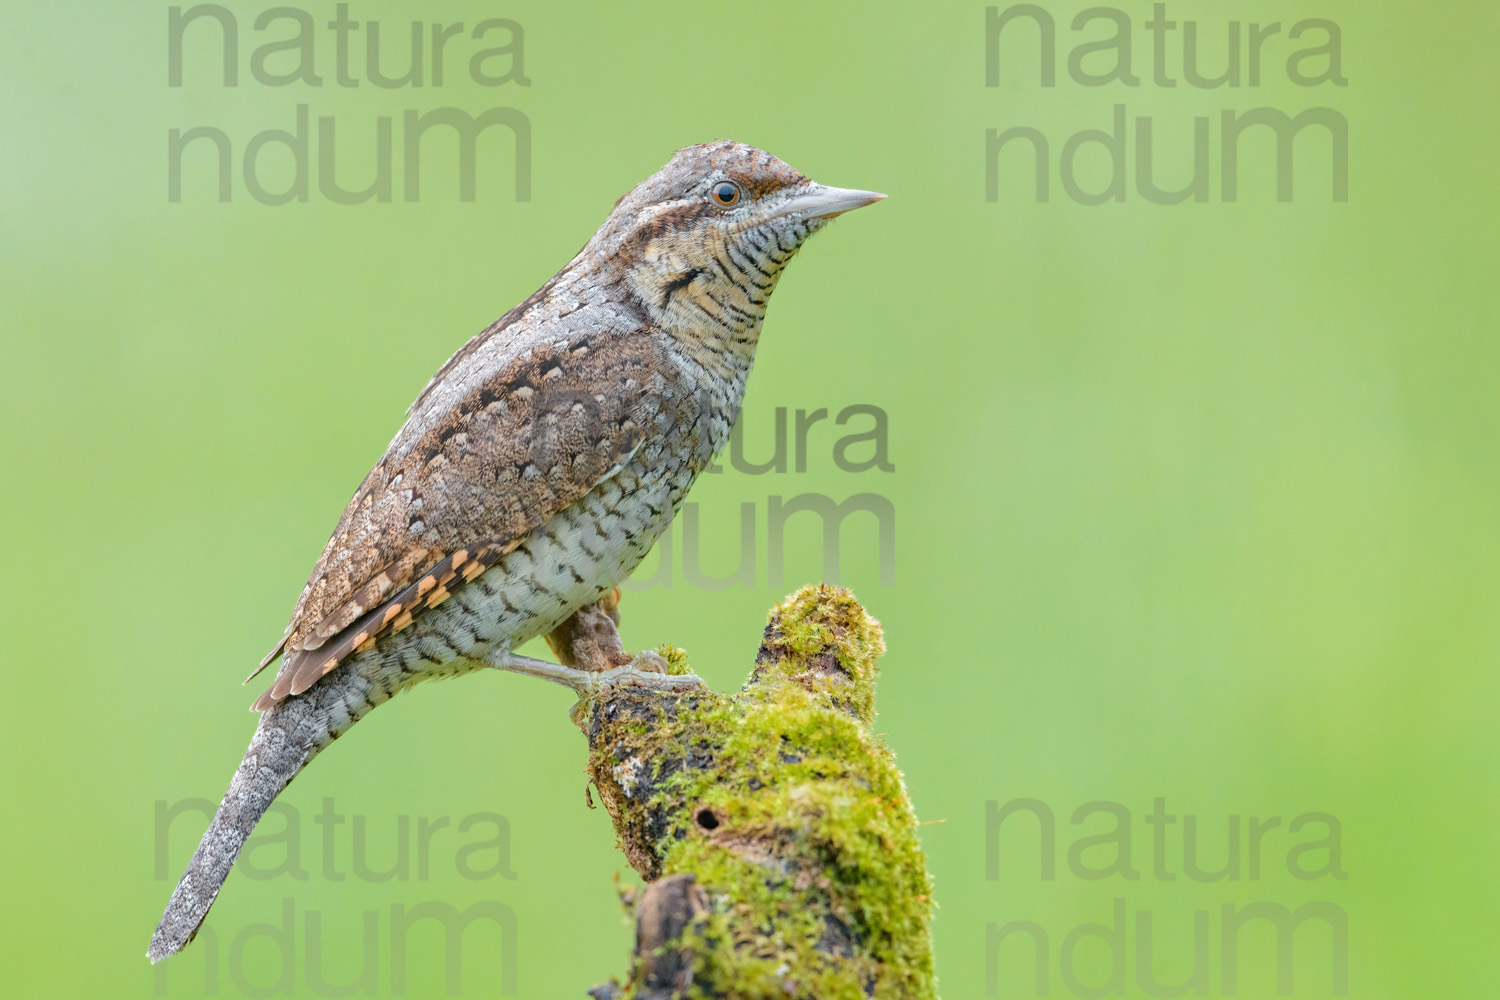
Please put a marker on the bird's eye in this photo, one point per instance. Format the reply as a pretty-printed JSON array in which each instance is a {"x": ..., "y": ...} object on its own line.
[{"x": 726, "y": 194}]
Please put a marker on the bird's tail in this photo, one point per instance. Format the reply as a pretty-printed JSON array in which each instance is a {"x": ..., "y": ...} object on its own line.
[{"x": 289, "y": 735}]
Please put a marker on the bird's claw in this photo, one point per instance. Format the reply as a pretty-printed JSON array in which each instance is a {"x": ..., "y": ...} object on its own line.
[{"x": 648, "y": 670}]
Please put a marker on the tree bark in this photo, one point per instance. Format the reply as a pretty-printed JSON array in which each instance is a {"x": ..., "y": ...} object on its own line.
[{"x": 773, "y": 830}]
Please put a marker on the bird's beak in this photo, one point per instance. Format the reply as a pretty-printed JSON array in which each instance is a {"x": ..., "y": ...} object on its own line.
[{"x": 819, "y": 201}]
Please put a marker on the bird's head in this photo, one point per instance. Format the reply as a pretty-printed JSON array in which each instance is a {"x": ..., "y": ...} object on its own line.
[{"x": 704, "y": 239}]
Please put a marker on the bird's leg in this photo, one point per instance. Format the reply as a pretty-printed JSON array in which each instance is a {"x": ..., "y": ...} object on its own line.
[
  {"x": 647, "y": 670},
  {"x": 593, "y": 658},
  {"x": 589, "y": 640}
]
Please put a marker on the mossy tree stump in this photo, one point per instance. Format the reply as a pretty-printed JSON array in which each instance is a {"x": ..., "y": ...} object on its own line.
[{"x": 772, "y": 828}]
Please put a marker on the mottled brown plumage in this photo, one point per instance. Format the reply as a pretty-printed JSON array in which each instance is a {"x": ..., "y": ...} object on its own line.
[
  {"x": 532, "y": 474},
  {"x": 525, "y": 443}
]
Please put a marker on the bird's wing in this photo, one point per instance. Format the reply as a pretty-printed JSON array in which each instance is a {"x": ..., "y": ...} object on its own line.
[{"x": 438, "y": 510}]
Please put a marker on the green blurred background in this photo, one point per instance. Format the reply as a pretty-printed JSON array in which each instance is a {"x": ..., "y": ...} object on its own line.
[{"x": 1192, "y": 502}]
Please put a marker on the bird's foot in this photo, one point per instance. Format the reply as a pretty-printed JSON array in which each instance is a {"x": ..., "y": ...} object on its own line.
[
  {"x": 593, "y": 659},
  {"x": 648, "y": 670}
]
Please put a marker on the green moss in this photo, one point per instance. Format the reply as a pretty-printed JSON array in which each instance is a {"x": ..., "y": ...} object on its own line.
[
  {"x": 787, "y": 811},
  {"x": 676, "y": 657}
]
